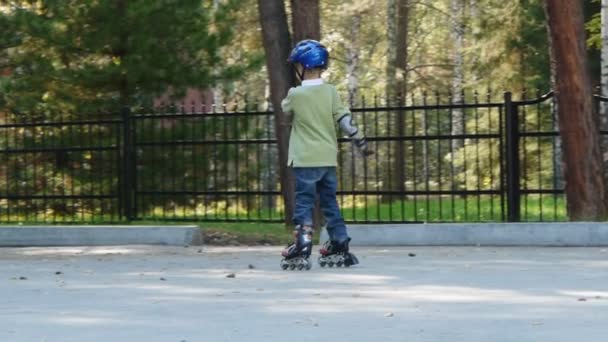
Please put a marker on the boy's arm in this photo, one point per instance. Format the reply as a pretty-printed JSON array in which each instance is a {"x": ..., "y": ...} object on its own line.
[{"x": 347, "y": 125}]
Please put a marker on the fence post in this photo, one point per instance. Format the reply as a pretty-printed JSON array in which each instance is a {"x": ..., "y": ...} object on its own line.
[
  {"x": 512, "y": 150},
  {"x": 126, "y": 173}
]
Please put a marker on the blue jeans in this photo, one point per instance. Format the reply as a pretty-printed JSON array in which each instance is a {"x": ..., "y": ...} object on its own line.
[{"x": 311, "y": 181}]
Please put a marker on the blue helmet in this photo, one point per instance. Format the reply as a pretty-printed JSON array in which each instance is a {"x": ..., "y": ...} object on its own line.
[{"x": 310, "y": 53}]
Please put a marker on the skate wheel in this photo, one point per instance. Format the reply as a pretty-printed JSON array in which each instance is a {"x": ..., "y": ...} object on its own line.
[
  {"x": 330, "y": 264},
  {"x": 284, "y": 266},
  {"x": 308, "y": 266},
  {"x": 292, "y": 267},
  {"x": 322, "y": 263},
  {"x": 300, "y": 267},
  {"x": 339, "y": 264}
]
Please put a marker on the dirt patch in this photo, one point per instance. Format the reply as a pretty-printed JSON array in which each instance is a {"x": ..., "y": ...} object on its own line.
[{"x": 221, "y": 238}]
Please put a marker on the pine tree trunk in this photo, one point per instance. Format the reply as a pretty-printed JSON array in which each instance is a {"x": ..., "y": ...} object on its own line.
[
  {"x": 585, "y": 192},
  {"x": 604, "y": 79},
  {"x": 275, "y": 35},
  {"x": 305, "y": 21},
  {"x": 391, "y": 92},
  {"x": 401, "y": 64},
  {"x": 604, "y": 84},
  {"x": 306, "y": 24}
]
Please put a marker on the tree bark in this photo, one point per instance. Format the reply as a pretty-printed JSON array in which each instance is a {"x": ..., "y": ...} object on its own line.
[
  {"x": 604, "y": 33},
  {"x": 604, "y": 84},
  {"x": 458, "y": 31},
  {"x": 277, "y": 44},
  {"x": 306, "y": 24},
  {"x": 582, "y": 159},
  {"x": 305, "y": 21},
  {"x": 352, "y": 59},
  {"x": 401, "y": 66},
  {"x": 391, "y": 49}
]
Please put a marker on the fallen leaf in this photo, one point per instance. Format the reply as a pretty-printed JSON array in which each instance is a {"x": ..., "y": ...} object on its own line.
[
  {"x": 231, "y": 275},
  {"x": 251, "y": 266}
]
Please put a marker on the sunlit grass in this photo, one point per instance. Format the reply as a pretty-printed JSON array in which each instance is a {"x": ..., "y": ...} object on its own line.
[{"x": 354, "y": 209}]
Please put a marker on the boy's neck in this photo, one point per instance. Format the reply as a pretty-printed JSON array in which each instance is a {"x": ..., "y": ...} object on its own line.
[{"x": 312, "y": 75}]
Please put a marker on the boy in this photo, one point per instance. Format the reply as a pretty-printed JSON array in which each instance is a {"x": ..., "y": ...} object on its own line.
[{"x": 315, "y": 108}]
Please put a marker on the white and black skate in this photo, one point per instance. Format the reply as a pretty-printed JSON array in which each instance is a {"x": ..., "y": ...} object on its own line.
[
  {"x": 296, "y": 255},
  {"x": 336, "y": 254}
]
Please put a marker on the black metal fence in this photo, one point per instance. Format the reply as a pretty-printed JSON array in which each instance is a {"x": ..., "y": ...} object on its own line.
[{"x": 437, "y": 159}]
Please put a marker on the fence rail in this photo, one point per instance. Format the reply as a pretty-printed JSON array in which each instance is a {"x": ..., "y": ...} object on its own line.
[{"x": 437, "y": 159}]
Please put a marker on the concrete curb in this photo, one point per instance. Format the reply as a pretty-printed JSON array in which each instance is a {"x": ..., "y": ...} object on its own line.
[
  {"x": 572, "y": 234},
  {"x": 21, "y": 236}
]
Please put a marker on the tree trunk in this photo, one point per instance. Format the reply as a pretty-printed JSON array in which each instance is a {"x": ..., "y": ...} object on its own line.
[
  {"x": 458, "y": 28},
  {"x": 275, "y": 35},
  {"x": 306, "y": 24},
  {"x": 579, "y": 124},
  {"x": 473, "y": 31},
  {"x": 352, "y": 59},
  {"x": 604, "y": 85},
  {"x": 305, "y": 21},
  {"x": 391, "y": 49},
  {"x": 401, "y": 64},
  {"x": 269, "y": 157},
  {"x": 604, "y": 79}
]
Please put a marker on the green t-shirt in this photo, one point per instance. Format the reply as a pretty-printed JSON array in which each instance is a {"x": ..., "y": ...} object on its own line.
[{"x": 315, "y": 109}]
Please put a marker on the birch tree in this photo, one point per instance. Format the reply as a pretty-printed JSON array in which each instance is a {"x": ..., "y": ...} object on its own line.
[{"x": 458, "y": 31}]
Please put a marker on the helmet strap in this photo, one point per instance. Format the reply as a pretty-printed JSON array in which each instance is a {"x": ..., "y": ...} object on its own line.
[{"x": 299, "y": 74}]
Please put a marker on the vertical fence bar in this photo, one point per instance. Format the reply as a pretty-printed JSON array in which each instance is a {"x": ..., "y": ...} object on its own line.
[
  {"x": 556, "y": 169},
  {"x": 512, "y": 151},
  {"x": 414, "y": 164},
  {"x": 365, "y": 173},
  {"x": 403, "y": 153},
  {"x": 488, "y": 99},
  {"x": 377, "y": 157},
  {"x": 453, "y": 186},
  {"x": 539, "y": 156},
  {"x": 389, "y": 157},
  {"x": 439, "y": 161},
  {"x": 127, "y": 160},
  {"x": 477, "y": 167}
]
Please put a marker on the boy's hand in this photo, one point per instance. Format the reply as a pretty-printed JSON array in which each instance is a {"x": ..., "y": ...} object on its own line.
[{"x": 363, "y": 147}]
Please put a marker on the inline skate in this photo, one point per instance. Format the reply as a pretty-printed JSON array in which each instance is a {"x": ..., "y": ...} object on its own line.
[
  {"x": 296, "y": 255},
  {"x": 336, "y": 254}
]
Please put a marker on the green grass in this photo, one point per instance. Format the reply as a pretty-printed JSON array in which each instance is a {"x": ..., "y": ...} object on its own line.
[
  {"x": 420, "y": 209},
  {"x": 412, "y": 209},
  {"x": 448, "y": 209},
  {"x": 354, "y": 208}
]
